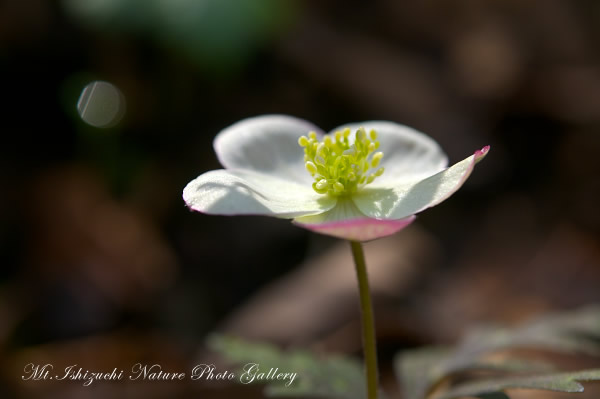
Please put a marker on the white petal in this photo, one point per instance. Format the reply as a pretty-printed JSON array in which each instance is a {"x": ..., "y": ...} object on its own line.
[
  {"x": 267, "y": 144},
  {"x": 365, "y": 229},
  {"x": 344, "y": 209},
  {"x": 408, "y": 153},
  {"x": 242, "y": 192},
  {"x": 346, "y": 221},
  {"x": 403, "y": 199}
]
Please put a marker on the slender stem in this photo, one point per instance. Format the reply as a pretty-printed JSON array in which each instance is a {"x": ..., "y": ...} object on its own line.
[{"x": 368, "y": 322}]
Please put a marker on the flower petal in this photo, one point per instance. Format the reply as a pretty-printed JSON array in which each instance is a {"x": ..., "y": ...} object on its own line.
[
  {"x": 408, "y": 153},
  {"x": 267, "y": 144},
  {"x": 403, "y": 199},
  {"x": 359, "y": 229},
  {"x": 243, "y": 192},
  {"x": 346, "y": 221}
]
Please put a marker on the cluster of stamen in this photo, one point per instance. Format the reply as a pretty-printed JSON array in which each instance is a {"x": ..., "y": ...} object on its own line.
[{"x": 338, "y": 167}]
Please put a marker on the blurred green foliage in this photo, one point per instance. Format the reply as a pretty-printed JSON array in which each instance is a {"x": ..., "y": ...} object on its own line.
[
  {"x": 423, "y": 370},
  {"x": 318, "y": 376},
  {"x": 218, "y": 35}
]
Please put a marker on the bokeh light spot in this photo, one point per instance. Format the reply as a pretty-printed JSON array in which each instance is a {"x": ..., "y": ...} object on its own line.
[{"x": 101, "y": 104}]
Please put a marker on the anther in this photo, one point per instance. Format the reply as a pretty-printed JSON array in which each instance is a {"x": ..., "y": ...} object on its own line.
[
  {"x": 360, "y": 134},
  {"x": 338, "y": 187},
  {"x": 322, "y": 184},
  {"x": 337, "y": 167},
  {"x": 319, "y": 190},
  {"x": 376, "y": 158},
  {"x": 302, "y": 141},
  {"x": 322, "y": 150},
  {"x": 312, "y": 169}
]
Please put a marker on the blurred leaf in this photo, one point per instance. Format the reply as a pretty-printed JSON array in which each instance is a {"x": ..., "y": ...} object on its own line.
[
  {"x": 417, "y": 370},
  {"x": 560, "y": 382},
  {"x": 331, "y": 376},
  {"x": 423, "y": 370},
  {"x": 218, "y": 35},
  {"x": 572, "y": 332},
  {"x": 495, "y": 395}
]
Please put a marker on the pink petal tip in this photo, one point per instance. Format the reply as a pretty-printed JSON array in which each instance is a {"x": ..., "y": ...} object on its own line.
[
  {"x": 359, "y": 229},
  {"x": 479, "y": 154}
]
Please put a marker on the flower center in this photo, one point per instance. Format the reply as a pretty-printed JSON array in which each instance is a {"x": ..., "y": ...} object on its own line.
[{"x": 338, "y": 167}]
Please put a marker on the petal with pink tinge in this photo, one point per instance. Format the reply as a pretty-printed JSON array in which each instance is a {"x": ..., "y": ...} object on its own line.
[
  {"x": 400, "y": 200},
  {"x": 346, "y": 221},
  {"x": 358, "y": 229}
]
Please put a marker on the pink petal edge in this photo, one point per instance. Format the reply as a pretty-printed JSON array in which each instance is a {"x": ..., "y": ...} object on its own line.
[
  {"x": 479, "y": 154},
  {"x": 359, "y": 229}
]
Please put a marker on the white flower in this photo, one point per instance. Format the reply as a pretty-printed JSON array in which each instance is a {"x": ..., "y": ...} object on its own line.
[{"x": 357, "y": 195}]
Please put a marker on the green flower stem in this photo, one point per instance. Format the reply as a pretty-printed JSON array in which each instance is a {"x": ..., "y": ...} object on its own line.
[{"x": 368, "y": 322}]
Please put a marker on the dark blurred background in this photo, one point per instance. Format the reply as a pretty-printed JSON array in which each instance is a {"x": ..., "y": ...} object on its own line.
[{"x": 103, "y": 266}]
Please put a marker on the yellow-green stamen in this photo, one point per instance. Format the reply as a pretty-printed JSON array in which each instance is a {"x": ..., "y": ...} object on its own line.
[{"x": 338, "y": 167}]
